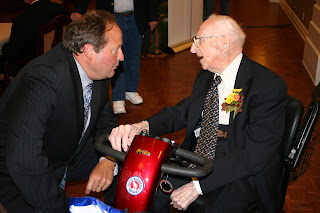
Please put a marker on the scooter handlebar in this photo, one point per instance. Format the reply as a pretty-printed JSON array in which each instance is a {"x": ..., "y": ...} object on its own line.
[
  {"x": 107, "y": 150},
  {"x": 198, "y": 172}
]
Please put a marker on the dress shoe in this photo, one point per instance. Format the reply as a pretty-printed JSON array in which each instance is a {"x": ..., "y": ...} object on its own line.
[
  {"x": 118, "y": 107},
  {"x": 134, "y": 97}
]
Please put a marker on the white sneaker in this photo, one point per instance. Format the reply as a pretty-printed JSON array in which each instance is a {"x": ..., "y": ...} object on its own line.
[
  {"x": 118, "y": 107},
  {"x": 134, "y": 97}
]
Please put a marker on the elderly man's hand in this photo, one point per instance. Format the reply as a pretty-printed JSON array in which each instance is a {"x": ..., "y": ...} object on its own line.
[
  {"x": 101, "y": 176},
  {"x": 184, "y": 196},
  {"x": 123, "y": 135}
]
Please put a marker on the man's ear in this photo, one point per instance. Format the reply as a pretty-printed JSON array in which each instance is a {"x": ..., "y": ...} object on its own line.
[
  {"x": 224, "y": 45},
  {"x": 88, "y": 51}
]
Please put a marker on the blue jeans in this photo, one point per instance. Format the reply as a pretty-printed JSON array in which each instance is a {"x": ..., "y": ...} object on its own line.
[{"x": 127, "y": 76}]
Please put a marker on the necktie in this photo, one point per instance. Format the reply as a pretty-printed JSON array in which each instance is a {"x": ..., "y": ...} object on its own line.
[
  {"x": 87, "y": 101},
  {"x": 207, "y": 141}
]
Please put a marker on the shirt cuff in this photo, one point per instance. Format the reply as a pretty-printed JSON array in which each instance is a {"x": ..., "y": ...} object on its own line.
[
  {"x": 197, "y": 185},
  {"x": 116, "y": 168}
]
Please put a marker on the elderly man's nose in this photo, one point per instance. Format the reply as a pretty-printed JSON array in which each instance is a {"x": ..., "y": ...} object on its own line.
[{"x": 193, "y": 48}]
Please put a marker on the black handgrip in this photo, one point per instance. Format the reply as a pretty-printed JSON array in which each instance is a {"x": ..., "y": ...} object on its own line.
[
  {"x": 107, "y": 150},
  {"x": 198, "y": 172}
]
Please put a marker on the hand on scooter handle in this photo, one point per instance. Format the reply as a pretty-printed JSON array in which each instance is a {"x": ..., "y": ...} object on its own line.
[{"x": 122, "y": 136}]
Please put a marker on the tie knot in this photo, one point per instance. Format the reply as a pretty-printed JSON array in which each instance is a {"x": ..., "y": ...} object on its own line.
[{"x": 217, "y": 81}]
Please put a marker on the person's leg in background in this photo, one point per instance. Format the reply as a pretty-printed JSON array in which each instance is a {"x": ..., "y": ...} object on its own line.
[
  {"x": 208, "y": 8},
  {"x": 224, "y": 7},
  {"x": 126, "y": 81},
  {"x": 118, "y": 80},
  {"x": 132, "y": 64}
]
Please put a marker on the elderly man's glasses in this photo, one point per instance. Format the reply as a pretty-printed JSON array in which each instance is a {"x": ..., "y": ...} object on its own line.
[{"x": 196, "y": 40}]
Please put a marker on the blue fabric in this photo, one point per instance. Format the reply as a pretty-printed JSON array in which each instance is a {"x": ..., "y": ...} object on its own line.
[
  {"x": 85, "y": 201},
  {"x": 127, "y": 76}
]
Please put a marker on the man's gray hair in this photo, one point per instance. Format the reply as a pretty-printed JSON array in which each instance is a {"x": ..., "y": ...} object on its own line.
[{"x": 230, "y": 28}]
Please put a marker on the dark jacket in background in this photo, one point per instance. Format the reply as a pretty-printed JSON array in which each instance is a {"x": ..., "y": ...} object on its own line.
[{"x": 23, "y": 42}]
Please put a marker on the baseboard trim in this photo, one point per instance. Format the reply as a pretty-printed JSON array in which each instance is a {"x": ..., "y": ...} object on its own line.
[{"x": 302, "y": 30}]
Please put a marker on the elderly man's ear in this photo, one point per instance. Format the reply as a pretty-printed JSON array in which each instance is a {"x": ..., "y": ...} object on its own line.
[{"x": 224, "y": 45}]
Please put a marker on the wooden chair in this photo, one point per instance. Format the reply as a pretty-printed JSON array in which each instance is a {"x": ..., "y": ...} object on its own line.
[{"x": 49, "y": 35}]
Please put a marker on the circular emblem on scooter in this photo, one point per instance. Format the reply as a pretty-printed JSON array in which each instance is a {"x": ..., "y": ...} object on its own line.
[{"x": 134, "y": 185}]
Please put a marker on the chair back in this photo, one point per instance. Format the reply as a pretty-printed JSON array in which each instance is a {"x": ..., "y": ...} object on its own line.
[
  {"x": 303, "y": 139},
  {"x": 51, "y": 34},
  {"x": 294, "y": 113}
]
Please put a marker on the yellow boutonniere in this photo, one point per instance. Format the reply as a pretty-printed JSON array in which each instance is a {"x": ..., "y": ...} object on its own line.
[{"x": 233, "y": 102}]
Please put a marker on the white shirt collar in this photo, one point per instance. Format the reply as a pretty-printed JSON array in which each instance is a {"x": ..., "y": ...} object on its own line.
[{"x": 228, "y": 77}]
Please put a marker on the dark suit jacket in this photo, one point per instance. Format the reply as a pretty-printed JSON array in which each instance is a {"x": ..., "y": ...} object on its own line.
[
  {"x": 144, "y": 10},
  {"x": 41, "y": 122},
  {"x": 255, "y": 133}
]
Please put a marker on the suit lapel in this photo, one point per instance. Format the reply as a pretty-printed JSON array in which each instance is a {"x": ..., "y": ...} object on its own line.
[
  {"x": 77, "y": 87},
  {"x": 95, "y": 102},
  {"x": 243, "y": 77}
]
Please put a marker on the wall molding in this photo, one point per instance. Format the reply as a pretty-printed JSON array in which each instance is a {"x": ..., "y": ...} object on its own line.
[{"x": 302, "y": 30}]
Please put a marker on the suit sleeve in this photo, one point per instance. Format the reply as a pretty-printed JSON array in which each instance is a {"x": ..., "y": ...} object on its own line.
[
  {"x": 261, "y": 139},
  {"x": 29, "y": 109}
]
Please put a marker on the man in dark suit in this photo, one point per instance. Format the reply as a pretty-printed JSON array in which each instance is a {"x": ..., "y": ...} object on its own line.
[
  {"x": 23, "y": 42},
  {"x": 45, "y": 139},
  {"x": 135, "y": 18},
  {"x": 247, "y": 165}
]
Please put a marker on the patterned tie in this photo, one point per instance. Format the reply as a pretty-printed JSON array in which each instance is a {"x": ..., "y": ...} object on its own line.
[
  {"x": 207, "y": 141},
  {"x": 87, "y": 101}
]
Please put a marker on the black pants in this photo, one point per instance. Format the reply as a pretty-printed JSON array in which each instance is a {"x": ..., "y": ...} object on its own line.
[{"x": 234, "y": 197}]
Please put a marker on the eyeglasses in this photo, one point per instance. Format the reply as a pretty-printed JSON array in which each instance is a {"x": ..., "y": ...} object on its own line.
[{"x": 196, "y": 40}]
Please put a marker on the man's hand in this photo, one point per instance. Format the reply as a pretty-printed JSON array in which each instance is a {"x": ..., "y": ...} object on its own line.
[
  {"x": 123, "y": 135},
  {"x": 184, "y": 196},
  {"x": 101, "y": 176},
  {"x": 75, "y": 16},
  {"x": 153, "y": 25}
]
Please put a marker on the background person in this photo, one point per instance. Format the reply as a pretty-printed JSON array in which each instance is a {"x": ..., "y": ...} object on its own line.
[
  {"x": 247, "y": 164},
  {"x": 45, "y": 139},
  {"x": 23, "y": 42}
]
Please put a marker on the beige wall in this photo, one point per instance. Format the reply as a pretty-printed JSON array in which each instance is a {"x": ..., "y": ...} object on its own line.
[{"x": 303, "y": 10}]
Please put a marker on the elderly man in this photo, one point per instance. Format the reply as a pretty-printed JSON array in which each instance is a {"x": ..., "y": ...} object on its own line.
[
  {"x": 52, "y": 112},
  {"x": 242, "y": 135}
]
